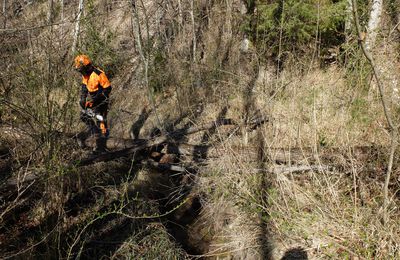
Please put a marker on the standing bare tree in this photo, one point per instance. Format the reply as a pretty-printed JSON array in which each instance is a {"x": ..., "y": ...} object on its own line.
[
  {"x": 5, "y": 13},
  {"x": 143, "y": 47},
  {"x": 50, "y": 12},
  {"x": 193, "y": 30},
  {"x": 348, "y": 21},
  {"x": 77, "y": 25},
  {"x": 62, "y": 16},
  {"x": 180, "y": 14},
  {"x": 394, "y": 134},
  {"x": 395, "y": 4},
  {"x": 373, "y": 23}
]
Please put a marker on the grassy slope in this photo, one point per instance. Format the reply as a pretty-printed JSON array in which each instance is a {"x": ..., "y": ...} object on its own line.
[{"x": 245, "y": 213}]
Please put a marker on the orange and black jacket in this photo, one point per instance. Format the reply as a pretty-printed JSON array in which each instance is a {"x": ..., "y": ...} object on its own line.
[{"x": 96, "y": 89}]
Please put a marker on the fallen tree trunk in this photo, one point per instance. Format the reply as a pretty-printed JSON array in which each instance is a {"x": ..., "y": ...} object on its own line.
[
  {"x": 114, "y": 143},
  {"x": 186, "y": 149},
  {"x": 137, "y": 147},
  {"x": 164, "y": 166},
  {"x": 293, "y": 169}
]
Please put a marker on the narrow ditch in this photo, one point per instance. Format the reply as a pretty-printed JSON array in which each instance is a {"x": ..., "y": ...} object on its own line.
[{"x": 180, "y": 223}]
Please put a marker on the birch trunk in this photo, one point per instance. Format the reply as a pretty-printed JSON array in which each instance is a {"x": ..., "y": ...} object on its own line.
[
  {"x": 373, "y": 23},
  {"x": 349, "y": 21},
  {"x": 194, "y": 30},
  {"x": 180, "y": 15},
  {"x": 393, "y": 129},
  {"x": 77, "y": 26}
]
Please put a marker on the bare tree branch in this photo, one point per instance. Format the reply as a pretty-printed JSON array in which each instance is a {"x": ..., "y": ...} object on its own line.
[{"x": 393, "y": 129}]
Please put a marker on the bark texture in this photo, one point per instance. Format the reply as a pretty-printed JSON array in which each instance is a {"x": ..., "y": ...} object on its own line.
[{"x": 373, "y": 23}]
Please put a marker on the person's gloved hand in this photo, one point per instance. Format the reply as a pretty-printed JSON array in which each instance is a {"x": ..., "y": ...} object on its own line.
[{"x": 88, "y": 104}]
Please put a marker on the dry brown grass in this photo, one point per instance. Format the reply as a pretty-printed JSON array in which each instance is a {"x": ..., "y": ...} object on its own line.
[
  {"x": 248, "y": 211},
  {"x": 333, "y": 213}
]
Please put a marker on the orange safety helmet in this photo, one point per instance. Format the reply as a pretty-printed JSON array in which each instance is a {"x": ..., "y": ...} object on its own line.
[{"x": 81, "y": 61}]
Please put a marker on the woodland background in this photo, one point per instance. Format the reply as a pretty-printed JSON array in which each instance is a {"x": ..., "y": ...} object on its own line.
[{"x": 240, "y": 129}]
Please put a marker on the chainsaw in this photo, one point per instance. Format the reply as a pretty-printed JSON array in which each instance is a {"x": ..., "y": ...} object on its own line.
[{"x": 97, "y": 118}]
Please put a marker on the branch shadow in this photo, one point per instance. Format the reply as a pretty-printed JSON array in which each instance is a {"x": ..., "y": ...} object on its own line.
[
  {"x": 169, "y": 125},
  {"x": 265, "y": 184},
  {"x": 139, "y": 123},
  {"x": 266, "y": 180},
  {"x": 200, "y": 151}
]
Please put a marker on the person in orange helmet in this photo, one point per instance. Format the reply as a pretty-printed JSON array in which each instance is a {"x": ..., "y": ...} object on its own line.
[{"x": 94, "y": 101}]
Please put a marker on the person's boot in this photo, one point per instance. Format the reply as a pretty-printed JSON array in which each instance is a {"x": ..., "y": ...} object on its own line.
[{"x": 100, "y": 145}]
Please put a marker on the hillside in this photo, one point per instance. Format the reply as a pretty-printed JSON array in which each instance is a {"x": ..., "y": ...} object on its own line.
[{"x": 238, "y": 130}]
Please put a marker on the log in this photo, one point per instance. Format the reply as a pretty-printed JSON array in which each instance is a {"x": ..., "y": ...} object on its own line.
[
  {"x": 186, "y": 149},
  {"x": 164, "y": 166},
  {"x": 28, "y": 177},
  {"x": 146, "y": 144},
  {"x": 121, "y": 143},
  {"x": 114, "y": 143},
  {"x": 292, "y": 169}
]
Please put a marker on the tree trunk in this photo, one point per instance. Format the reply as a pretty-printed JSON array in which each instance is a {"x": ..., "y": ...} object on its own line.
[
  {"x": 394, "y": 134},
  {"x": 396, "y": 10},
  {"x": 140, "y": 146},
  {"x": 180, "y": 15},
  {"x": 77, "y": 26},
  {"x": 193, "y": 30},
  {"x": 373, "y": 23},
  {"x": 62, "y": 16},
  {"x": 50, "y": 13},
  {"x": 348, "y": 21},
  {"x": 144, "y": 52},
  {"x": 398, "y": 22},
  {"x": 5, "y": 13}
]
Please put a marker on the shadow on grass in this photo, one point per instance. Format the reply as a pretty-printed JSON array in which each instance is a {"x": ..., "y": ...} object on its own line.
[
  {"x": 297, "y": 253},
  {"x": 265, "y": 185},
  {"x": 139, "y": 123}
]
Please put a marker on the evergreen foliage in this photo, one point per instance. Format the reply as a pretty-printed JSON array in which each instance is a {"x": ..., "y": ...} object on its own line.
[{"x": 292, "y": 25}]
